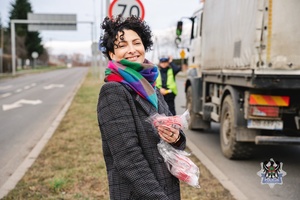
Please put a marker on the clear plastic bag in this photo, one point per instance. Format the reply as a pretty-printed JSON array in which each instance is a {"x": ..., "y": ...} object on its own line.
[
  {"x": 177, "y": 160},
  {"x": 179, "y": 164}
]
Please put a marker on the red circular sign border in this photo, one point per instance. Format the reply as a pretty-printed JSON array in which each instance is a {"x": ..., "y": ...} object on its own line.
[{"x": 115, "y": 1}]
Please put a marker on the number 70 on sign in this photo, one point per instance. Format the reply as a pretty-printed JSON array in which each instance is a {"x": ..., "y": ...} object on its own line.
[{"x": 126, "y": 8}]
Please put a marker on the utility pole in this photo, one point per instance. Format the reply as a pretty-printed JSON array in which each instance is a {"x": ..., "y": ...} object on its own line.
[
  {"x": 13, "y": 46},
  {"x": 1, "y": 49}
]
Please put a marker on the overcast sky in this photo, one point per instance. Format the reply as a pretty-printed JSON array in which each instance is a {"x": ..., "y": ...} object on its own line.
[{"x": 159, "y": 14}]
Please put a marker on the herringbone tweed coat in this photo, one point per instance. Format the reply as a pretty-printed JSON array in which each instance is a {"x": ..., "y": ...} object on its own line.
[{"x": 134, "y": 166}]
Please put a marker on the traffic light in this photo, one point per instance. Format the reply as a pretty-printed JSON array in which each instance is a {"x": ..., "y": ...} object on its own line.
[{"x": 179, "y": 28}]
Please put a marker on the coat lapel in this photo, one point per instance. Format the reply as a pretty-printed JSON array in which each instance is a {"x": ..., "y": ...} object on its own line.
[{"x": 148, "y": 107}]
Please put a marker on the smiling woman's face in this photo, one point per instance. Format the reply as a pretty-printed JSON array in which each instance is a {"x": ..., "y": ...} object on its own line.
[{"x": 128, "y": 46}]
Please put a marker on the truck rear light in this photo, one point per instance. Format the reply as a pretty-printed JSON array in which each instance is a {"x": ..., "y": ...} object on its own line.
[{"x": 264, "y": 111}]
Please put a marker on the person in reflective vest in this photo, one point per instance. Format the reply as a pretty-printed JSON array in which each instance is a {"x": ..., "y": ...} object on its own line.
[{"x": 166, "y": 81}]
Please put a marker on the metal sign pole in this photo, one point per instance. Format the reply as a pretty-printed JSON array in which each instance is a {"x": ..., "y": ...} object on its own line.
[{"x": 1, "y": 48}]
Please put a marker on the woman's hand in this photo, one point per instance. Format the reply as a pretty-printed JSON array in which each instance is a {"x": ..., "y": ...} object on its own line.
[{"x": 168, "y": 134}]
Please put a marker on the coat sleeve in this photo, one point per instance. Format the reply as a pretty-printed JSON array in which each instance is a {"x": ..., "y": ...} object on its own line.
[
  {"x": 176, "y": 68},
  {"x": 117, "y": 126}
]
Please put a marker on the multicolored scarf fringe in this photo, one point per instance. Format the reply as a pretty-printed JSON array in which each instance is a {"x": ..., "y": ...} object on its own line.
[{"x": 140, "y": 77}]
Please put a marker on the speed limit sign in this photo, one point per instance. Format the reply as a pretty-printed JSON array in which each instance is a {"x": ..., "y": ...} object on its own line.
[{"x": 126, "y": 8}]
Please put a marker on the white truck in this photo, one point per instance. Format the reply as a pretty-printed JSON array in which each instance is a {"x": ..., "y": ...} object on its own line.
[{"x": 244, "y": 72}]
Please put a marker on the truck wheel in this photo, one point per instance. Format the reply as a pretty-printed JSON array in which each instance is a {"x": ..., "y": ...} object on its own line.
[
  {"x": 195, "y": 122},
  {"x": 230, "y": 147}
]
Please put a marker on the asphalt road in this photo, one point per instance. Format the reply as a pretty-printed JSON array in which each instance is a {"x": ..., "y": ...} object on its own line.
[
  {"x": 243, "y": 174},
  {"x": 29, "y": 104}
]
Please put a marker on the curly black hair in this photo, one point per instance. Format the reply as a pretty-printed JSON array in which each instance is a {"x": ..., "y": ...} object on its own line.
[{"x": 112, "y": 26}]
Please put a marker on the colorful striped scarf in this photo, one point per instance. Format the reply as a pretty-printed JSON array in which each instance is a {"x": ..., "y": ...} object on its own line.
[{"x": 140, "y": 77}]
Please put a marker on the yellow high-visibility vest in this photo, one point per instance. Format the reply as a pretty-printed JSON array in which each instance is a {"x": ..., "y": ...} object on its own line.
[{"x": 171, "y": 84}]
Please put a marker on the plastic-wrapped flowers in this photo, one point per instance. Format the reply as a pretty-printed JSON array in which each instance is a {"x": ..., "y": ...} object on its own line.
[{"x": 176, "y": 160}]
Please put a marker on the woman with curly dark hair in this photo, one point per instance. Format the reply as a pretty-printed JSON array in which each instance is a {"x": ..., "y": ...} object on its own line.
[{"x": 134, "y": 166}]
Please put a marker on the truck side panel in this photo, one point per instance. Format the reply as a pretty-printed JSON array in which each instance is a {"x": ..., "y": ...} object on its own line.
[
  {"x": 230, "y": 34},
  {"x": 283, "y": 34},
  {"x": 252, "y": 34}
]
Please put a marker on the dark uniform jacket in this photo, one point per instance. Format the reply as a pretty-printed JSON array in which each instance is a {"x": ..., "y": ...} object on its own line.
[{"x": 135, "y": 168}]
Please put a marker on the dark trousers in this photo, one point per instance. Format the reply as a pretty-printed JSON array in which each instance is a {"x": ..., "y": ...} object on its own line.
[{"x": 171, "y": 104}]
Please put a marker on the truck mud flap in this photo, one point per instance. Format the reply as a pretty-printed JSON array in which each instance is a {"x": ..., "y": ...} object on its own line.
[{"x": 197, "y": 123}]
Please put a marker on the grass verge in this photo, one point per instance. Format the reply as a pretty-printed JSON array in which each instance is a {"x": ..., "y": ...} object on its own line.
[{"x": 71, "y": 165}]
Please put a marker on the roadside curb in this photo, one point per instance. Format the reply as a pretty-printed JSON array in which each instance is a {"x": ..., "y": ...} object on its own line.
[
  {"x": 218, "y": 174},
  {"x": 33, "y": 155}
]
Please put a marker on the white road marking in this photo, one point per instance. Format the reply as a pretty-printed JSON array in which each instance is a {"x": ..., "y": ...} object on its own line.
[
  {"x": 5, "y": 95},
  {"x": 19, "y": 103},
  {"x": 53, "y": 86}
]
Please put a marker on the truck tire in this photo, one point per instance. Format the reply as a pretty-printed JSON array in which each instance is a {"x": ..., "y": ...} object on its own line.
[
  {"x": 196, "y": 122},
  {"x": 230, "y": 147}
]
